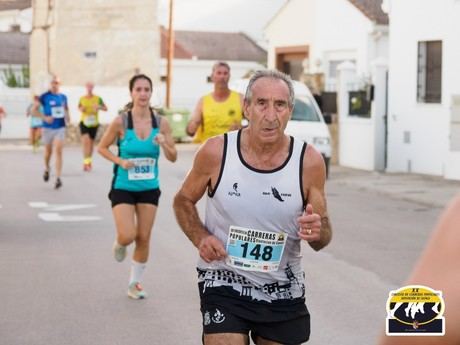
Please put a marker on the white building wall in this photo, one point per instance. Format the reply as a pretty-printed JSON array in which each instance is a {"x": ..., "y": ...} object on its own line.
[
  {"x": 15, "y": 101},
  {"x": 294, "y": 25},
  {"x": 362, "y": 141},
  {"x": 342, "y": 33},
  {"x": 190, "y": 80},
  {"x": 419, "y": 132},
  {"x": 333, "y": 29},
  {"x": 452, "y": 84}
]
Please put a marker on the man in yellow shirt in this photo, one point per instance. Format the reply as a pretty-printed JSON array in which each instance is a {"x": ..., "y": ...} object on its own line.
[
  {"x": 219, "y": 111},
  {"x": 89, "y": 105}
]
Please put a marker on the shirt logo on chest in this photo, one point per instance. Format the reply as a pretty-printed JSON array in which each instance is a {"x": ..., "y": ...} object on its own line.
[
  {"x": 235, "y": 190},
  {"x": 277, "y": 195}
]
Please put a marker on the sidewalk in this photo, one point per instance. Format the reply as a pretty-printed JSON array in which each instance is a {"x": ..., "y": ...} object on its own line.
[{"x": 422, "y": 189}]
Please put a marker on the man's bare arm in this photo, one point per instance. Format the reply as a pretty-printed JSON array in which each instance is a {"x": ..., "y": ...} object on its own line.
[
  {"x": 204, "y": 172},
  {"x": 196, "y": 119},
  {"x": 314, "y": 179}
]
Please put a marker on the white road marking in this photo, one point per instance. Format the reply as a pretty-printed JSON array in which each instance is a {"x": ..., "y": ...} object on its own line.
[
  {"x": 38, "y": 204},
  {"x": 59, "y": 207},
  {"x": 50, "y": 216},
  {"x": 56, "y": 217}
]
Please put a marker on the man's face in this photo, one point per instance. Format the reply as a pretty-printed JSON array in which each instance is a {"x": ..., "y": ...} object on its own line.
[
  {"x": 55, "y": 85},
  {"x": 220, "y": 76},
  {"x": 89, "y": 88},
  {"x": 269, "y": 110}
]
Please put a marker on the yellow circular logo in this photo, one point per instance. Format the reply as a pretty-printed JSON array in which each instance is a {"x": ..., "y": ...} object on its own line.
[{"x": 415, "y": 309}]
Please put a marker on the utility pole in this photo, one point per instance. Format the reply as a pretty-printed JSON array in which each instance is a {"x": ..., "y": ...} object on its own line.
[{"x": 170, "y": 55}]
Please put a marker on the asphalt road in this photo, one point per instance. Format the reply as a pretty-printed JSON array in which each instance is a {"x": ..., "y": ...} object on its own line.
[{"x": 61, "y": 285}]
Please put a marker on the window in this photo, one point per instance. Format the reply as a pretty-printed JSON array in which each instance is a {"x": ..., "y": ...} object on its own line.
[
  {"x": 90, "y": 55},
  {"x": 304, "y": 110},
  {"x": 359, "y": 103},
  {"x": 333, "y": 64},
  {"x": 429, "y": 72}
]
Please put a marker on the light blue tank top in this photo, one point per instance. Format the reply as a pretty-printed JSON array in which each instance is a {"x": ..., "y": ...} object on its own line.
[
  {"x": 36, "y": 122},
  {"x": 144, "y": 153}
]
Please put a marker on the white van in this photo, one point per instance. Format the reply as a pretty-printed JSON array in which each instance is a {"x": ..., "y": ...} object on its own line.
[{"x": 307, "y": 122}]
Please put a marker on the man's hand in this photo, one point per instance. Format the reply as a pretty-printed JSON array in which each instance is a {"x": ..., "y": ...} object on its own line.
[
  {"x": 309, "y": 225},
  {"x": 211, "y": 249}
]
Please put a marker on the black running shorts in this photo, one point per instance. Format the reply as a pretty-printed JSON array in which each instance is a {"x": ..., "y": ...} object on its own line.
[
  {"x": 120, "y": 196},
  {"x": 91, "y": 131},
  {"x": 289, "y": 325}
]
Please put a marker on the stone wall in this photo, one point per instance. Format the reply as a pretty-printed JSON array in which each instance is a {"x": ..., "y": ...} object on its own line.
[{"x": 106, "y": 42}]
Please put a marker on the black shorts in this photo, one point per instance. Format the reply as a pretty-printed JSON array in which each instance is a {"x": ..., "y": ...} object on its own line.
[
  {"x": 91, "y": 131},
  {"x": 289, "y": 325},
  {"x": 121, "y": 196}
]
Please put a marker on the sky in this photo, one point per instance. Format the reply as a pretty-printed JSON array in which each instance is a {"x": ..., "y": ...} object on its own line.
[{"x": 248, "y": 16}]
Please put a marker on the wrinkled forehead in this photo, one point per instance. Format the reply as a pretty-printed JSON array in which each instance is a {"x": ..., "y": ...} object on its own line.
[{"x": 268, "y": 88}]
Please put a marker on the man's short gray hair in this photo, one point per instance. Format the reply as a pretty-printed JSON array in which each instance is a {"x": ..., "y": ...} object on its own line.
[
  {"x": 274, "y": 74},
  {"x": 220, "y": 64}
]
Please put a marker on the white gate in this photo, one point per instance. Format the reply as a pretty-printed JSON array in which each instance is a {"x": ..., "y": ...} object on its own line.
[{"x": 15, "y": 102}]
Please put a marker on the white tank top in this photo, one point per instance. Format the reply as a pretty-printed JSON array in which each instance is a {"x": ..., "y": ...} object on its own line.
[{"x": 266, "y": 202}]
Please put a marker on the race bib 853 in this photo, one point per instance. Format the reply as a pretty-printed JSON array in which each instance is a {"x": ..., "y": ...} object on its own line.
[{"x": 142, "y": 170}]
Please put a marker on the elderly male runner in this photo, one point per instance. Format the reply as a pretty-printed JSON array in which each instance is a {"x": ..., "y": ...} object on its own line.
[{"x": 265, "y": 195}]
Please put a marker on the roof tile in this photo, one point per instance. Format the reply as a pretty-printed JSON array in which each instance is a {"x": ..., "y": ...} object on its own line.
[
  {"x": 372, "y": 9},
  {"x": 205, "y": 45}
]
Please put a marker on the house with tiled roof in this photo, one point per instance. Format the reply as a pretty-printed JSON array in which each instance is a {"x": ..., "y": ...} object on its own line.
[
  {"x": 14, "y": 55},
  {"x": 14, "y": 70},
  {"x": 313, "y": 37},
  {"x": 14, "y": 42},
  {"x": 312, "y": 40},
  {"x": 194, "y": 54},
  {"x": 15, "y": 15}
]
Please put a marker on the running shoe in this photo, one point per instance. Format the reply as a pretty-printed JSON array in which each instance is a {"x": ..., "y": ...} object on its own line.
[
  {"x": 58, "y": 183},
  {"x": 119, "y": 251},
  {"x": 135, "y": 291},
  {"x": 46, "y": 176}
]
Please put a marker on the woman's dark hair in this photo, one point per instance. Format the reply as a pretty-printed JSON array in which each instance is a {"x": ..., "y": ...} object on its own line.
[{"x": 137, "y": 77}]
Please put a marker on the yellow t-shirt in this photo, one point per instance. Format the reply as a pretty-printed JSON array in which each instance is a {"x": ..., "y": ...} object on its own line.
[
  {"x": 219, "y": 117},
  {"x": 89, "y": 115}
]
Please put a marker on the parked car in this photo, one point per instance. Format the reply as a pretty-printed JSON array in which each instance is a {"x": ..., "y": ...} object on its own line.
[{"x": 307, "y": 122}]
